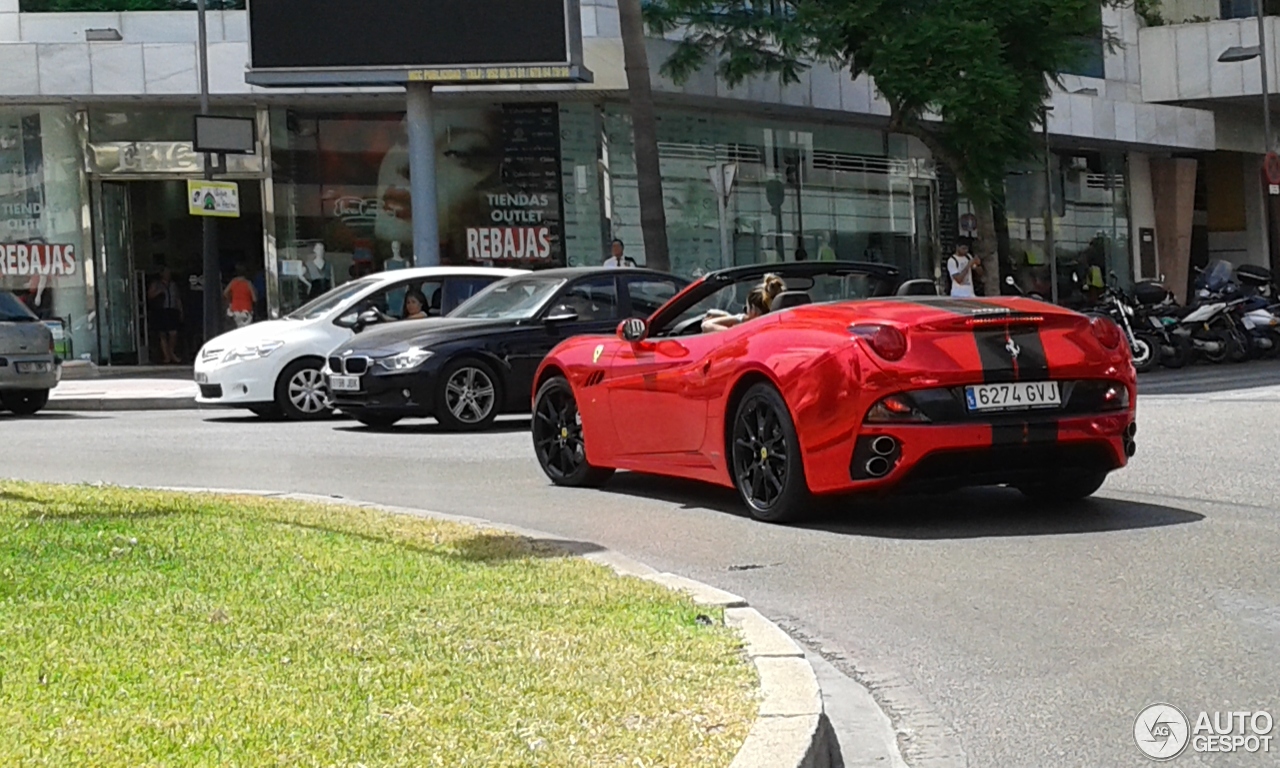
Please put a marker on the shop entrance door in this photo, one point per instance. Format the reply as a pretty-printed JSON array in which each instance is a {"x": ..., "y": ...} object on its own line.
[{"x": 117, "y": 306}]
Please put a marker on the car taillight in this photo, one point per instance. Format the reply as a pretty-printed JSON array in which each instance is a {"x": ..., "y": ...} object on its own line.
[
  {"x": 1106, "y": 331},
  {"x": 1116, "y": 398},
  {"x": 887, "y": 342}
]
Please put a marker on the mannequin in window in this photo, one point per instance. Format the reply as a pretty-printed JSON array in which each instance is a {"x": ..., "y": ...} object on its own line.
[
  {"x": 317, "y": 275},
  {"x": 396, "y": 261}
]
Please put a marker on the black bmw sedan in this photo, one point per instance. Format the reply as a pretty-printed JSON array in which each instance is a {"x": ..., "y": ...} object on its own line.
[{"x": 479, "y": 361}]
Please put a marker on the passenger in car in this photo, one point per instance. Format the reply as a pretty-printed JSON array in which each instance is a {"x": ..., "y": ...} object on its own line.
[{"x": 759, "y": 302}]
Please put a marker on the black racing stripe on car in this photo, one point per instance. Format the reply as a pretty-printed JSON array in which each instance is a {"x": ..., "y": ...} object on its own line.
[
  {"x": 1032, "y": 362},
  {"x": 1024, "y": 433},
  {"x": 998, "y": 364}
]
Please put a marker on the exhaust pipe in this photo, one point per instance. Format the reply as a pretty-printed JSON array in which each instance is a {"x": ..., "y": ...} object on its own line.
[
  {"x": 878, "y": 466},
  {"x": 1130, "y": 448},
  {"x": 1132, "y": 431},
  {"x": 884, "y": 446}
]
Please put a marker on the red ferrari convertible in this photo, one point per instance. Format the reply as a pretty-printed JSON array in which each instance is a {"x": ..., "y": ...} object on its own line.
[{"x": 848, "y": 385}]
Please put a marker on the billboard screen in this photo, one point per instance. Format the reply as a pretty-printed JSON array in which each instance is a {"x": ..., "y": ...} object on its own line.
[{"x": 314, "y": 42}]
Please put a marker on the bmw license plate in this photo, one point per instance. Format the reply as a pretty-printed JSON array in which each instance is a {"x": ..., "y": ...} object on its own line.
[
  {"x": 344, "y": 383},
  {"x": 34, "y": 367},
  {"x": 1014, "y": 397}
]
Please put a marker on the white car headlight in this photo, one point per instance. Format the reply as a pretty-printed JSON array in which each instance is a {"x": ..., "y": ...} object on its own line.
[
  {"x": 252, "y": 353},
  {"x": 406, "y": 361}
]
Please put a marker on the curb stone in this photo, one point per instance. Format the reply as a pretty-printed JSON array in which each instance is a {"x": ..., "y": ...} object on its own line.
[{"x": 791, "y": 728}]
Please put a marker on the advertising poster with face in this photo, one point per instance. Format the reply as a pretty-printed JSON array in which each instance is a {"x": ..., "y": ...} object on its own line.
[{"x": 497, "y": 181}]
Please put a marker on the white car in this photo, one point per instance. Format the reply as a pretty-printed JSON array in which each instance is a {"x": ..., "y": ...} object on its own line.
[{"x": 274, "y": 368}]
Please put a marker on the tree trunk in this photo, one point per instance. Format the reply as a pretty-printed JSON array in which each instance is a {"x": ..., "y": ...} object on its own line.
[
  {"x": 986, "y": 248},
  {"x": 644, "y": 127}
]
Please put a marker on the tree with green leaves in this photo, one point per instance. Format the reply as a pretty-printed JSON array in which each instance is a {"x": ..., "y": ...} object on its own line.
[{"x": 968, "y": 78}]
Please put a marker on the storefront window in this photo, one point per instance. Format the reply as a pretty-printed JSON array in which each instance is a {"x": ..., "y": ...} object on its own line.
[
  {"x": 343, "y": 193},
  {"x": 1090, "y": 225},
  {"x": 45, "y": 260},
  {"x": 797, "y": 192}
]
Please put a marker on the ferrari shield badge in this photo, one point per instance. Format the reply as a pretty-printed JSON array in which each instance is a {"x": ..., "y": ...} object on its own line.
[{"x": 596, "y": 357}]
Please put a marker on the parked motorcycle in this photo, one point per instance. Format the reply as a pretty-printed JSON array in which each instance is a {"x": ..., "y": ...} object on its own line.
[
  {"x": 1144, "y": 344},
  {"x": 1150, "y": 302}
]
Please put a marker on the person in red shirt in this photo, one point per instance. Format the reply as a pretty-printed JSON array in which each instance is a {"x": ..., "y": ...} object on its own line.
[{"x": 241, "y": 297}]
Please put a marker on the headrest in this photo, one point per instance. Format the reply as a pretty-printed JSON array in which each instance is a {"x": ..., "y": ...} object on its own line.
[
  {"x": 789, "y": 299},
  {"x": 918, "y": 288}
]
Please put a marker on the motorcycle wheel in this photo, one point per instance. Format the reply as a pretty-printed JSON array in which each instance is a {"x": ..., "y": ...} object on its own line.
[
  {"x": 1239, "y": 347},
  {"x": 1146, "y": 354},
  {"x": 1183, "y": 352},
  {"x": 1224, "y": 351}
]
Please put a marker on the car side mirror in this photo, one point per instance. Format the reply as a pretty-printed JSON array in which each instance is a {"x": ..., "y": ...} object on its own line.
[
  {"x": 633, "y": 329},
  {"x": 367, "y": 318},
  {"x": 562, "y": 314},
  {"x": 349, "y": 320}
]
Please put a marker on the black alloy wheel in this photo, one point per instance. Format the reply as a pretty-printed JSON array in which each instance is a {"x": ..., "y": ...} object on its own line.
[
  {"x": 24, "y": 402},
  {"x": 558, "y": 438},
  {"x": 766, "y": 464}
]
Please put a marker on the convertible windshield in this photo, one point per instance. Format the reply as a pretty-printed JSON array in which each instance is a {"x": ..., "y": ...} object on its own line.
[
  {"x": 330, "y": 301},
  {"x": 511, "y": 299},
  {"x": 14, "y": 311}
]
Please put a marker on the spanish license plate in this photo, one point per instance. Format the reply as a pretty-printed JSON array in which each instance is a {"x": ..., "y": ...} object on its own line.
[
  {"x": 202, "y": 378},
  {"x": 344, "y": 383},
  {"x": 1014, "y": 397},
  {"x": 34, "y": 367}
]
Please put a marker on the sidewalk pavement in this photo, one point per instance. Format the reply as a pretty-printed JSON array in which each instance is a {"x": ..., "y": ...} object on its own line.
[{"x": 123, "y": 394}]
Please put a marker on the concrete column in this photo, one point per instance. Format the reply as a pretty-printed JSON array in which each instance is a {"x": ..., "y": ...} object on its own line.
[
  {"x": 1142, "y": 211},
  {"x": 422, "y": 176},
  {"x": 1173, "y": 186}
]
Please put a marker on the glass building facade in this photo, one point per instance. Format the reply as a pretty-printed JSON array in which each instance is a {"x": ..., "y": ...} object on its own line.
[{"x": 93, "y": 211}]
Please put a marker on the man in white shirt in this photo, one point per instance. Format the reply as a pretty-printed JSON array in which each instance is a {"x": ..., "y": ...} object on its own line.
[
  {"x": 962, "y": 267},
  {"x": 617, "y": 259}
]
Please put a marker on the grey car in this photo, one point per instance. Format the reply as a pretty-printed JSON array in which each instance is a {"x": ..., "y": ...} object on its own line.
[{"x": 28, "y": 366}]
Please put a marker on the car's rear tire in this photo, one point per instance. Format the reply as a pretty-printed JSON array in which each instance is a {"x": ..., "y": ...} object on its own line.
[
  {"x": 301, "y": 393},
  {"x": 468, "y": 396},
  {"x": 1072, "y": 487},
  {"x": 24, "y": 402},
  {"x": 558, "y": 439},
  {"x": 764, "y": 457}
]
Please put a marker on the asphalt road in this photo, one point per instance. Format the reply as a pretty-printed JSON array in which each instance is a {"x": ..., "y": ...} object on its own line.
[{"x": 992, "y": 631}]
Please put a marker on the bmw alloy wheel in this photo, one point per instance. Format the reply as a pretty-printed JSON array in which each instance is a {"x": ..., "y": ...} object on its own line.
[
  {"x": 470, "y": 395},
  {"x": 308, "y": 392}
]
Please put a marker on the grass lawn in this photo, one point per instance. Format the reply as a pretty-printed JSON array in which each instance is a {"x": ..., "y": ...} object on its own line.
[{"x": 159, "y": 629}]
